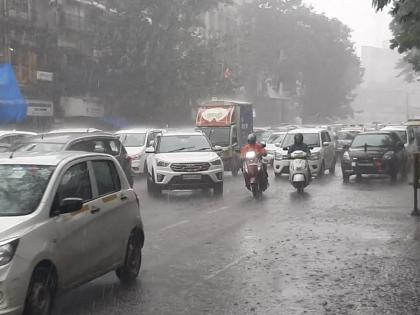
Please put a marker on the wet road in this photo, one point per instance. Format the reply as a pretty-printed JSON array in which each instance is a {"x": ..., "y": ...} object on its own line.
[{"x": 338, "y": 249}]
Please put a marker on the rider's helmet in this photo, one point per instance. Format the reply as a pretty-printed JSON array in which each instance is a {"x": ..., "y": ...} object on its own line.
[
  {"x": 252, "y": 139},
  {"x": 298, "y": 138}
]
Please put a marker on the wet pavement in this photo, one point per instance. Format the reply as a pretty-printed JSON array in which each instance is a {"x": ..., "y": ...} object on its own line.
[{"x": 337, "y": 249}]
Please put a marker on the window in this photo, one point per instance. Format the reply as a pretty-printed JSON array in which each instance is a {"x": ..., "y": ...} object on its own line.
[
  {"x": 75, "y": 184},
  {"x": 107, "y": 177},
  {"x": 325, "y": 137},
  {"x": 114, "y": 147}
]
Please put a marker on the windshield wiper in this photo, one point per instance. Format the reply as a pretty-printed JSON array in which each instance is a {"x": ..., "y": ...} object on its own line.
[
  {"x": 180, "y": 149},
  {"x": 203, "y": 149}
]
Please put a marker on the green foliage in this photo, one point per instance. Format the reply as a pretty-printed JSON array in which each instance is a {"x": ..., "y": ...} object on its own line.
[{"x": 288, "y": 43}]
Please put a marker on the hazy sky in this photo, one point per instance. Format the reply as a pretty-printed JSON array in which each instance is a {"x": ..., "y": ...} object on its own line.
[{"x": 369, "y": 28}]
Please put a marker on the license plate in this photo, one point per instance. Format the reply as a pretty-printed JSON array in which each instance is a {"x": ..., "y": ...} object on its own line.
[{"x": 191, "y": 177}]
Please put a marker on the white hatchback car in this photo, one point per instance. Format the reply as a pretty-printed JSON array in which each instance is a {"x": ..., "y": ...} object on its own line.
[
  {"x": 322, "y": 153},
  {"x": 136, "y": 141},
  {"x": 183, "y": 160},
  {"x": 273, "y": 142},
  {"x": 65, "y": 219}
]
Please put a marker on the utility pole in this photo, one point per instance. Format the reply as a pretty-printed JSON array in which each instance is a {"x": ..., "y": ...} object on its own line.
[{"x": 407, "y": 105}]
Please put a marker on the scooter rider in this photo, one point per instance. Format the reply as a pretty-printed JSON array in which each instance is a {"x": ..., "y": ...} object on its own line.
[
  {"x": 259, "y": 149},
  {"x": 299, "y": 145}
]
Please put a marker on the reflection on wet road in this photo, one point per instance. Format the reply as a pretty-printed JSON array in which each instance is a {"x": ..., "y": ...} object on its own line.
[{"x": 337, "y": 249}]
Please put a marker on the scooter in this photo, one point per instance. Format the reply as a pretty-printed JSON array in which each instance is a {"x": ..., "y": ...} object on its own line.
[
  {"x": 254, "y": 174},
  {"x": 300, "y": 176}
]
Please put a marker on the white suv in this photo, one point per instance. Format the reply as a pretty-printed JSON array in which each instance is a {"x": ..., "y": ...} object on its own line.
[
  {"x": 65, "y": 219},
  {"x": 183, "y": 160},
  {"x": 322, "y": 151},
  {"x": 136, "y": 141}
]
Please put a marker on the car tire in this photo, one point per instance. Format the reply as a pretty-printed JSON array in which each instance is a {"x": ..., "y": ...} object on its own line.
[
  {"x": 332, "y": 167},
  {"x": 41, "y": 292},
  {"x": 321, "y": 172},
  {"x": 129, "y": 272},
  {"x": 152, "y": 188},
  {"x": 218, "y": 189},
  {"x": 346, "y": 178}
]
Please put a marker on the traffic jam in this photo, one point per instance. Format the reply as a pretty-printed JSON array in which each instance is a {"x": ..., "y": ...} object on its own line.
[{"x": 70, "y": 198}]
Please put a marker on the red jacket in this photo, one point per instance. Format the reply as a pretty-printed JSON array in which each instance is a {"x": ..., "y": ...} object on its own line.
[{"x": 258, "y": 148}]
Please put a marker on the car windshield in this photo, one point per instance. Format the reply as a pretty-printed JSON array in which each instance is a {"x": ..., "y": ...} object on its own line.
[
  {"x": 132, "y": 139},
  {"x": 22, "y": 187},
  {"x": 218, "y": 136},
  {"x": 276, "y": 138},
  {"x": 183, "y": 143},
  {"x": 311, "y": 139},
  {"x": 402, "y": 134},
  {"x": 372, "y": 140},
  {"x": 39, "y": 147}
]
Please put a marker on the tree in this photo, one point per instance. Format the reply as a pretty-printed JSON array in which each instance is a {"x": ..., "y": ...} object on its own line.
[
  {"x": 405, "y": 27},
  {"x": 154, "y": 61},
  {"x": 288, "y": 44}
]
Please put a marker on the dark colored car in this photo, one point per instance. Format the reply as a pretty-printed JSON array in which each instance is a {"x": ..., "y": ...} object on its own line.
[
  {"x": 89, "y": 142},
  {"x": 344, "y": 138},
  {"x": 376, "y": 152}
]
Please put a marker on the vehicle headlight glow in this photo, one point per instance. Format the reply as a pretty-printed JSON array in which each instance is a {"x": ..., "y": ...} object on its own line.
[
  {"x": 7, "y": 251},
  {"x": 251, "y": 155},
  {"x": 161, "y": 163},
  {"x": 346, "y": 156},
  {"x": 216, "y": 162}
]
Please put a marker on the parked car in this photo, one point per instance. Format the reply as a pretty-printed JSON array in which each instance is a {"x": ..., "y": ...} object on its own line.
[
  {"x": 11, "y": 137},
  {"x": 322, "y": 151},
  {"x": 344, "y": 138},
  {"x": 75, "y": 130},
  {"x": 66, "y": 218},
  {"x": 136, "y": 141},
  {"x": 89, "y": 142},
  {"x": 183, "y": 160},
  {"x": 273, "y": 142},
  {"x": 374, "y": 152}
]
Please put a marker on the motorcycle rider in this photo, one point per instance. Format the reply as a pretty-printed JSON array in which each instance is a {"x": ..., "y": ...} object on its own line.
[{"x": 259, "y": 150}]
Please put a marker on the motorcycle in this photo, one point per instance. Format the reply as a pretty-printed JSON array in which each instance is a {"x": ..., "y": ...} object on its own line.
[
  {"x": 254, "y": 174},
  {"x": 299, "y": 176}
]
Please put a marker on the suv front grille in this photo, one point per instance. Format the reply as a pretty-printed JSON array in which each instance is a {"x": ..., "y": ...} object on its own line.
[{"x": 190, "y": 167}]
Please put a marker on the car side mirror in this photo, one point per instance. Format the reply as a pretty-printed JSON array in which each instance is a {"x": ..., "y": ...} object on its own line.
[
  {"x": 346, "y": 147},
  {"x": 70, "y": 205},
  {"x": 285, "y": 149},
  {"x": 150, "y": 150},
  {"x": 310, "y": 148},
  {"x": 326, "y": 144},
  {"x": 217, "y": 148},
  {"x": 263, "y": 144}
]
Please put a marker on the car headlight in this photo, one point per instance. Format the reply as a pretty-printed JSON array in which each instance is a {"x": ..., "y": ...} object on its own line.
[
  {"x": 315, "y": 156},
  {"x": 7, "y": 251},
  {"x": 216, "y": 162},
  {"x": 136, "y": 157},
  {"x": 389, "y": 155},
  {"x": 161, "y": 163},
  {"x": 346, "y": 156}
]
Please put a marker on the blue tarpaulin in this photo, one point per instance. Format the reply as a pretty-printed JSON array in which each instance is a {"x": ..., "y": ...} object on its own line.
[{"x": 13, "y": 106}]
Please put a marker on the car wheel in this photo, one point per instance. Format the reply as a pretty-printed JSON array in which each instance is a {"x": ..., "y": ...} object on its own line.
[
  {"x": 41, "y": 292},
  {"x": 131, "y": 268},
  {"x": 332, "y": 167},
  {"x": 321, "y": 170},
  {"x": 346, "y": 178},
  {"x": 152, "y": 188},
  {"x": 394, "y": 177},
  {"x": 218, "y": 189}
]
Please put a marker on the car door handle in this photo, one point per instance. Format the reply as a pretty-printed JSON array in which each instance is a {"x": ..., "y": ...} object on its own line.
[
  {"x": 123, "y": 197},
  {"x": 95, "y": 210}
]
